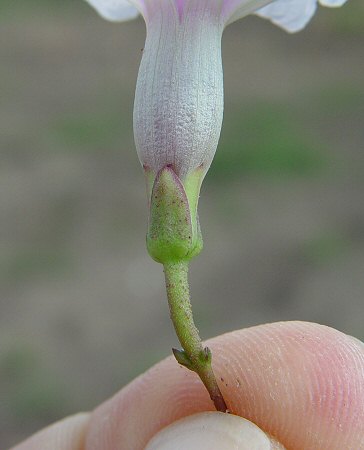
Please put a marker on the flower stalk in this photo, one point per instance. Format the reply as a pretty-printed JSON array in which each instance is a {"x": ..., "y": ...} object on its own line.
[{"x": 194, "y": 356}]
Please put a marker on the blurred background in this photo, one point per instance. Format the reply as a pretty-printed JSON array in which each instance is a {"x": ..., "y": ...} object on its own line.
[{"x": 82, "y": 307}]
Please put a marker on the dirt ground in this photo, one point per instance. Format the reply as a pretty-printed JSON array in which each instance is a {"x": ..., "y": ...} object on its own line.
[{"x": 82, "y": 306}]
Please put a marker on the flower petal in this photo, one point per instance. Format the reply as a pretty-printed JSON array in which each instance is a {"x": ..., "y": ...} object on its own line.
[
  {"x": 237, "y": 9},
  {"x": 178, "y": 106},
  {"x": 114, "y": 10},
  {"x": 292, "y": 15},
  {"x": 332, "y": 3}
]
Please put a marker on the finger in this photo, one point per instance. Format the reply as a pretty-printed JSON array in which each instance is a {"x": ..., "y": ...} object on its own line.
[
  {"x": 68, "y": 434},
  {"x": 212, "y": 431},
  {"x": 302, "y": 383}
]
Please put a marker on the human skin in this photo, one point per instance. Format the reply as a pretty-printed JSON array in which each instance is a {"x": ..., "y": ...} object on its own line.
[{"x": 300, "y": 382}]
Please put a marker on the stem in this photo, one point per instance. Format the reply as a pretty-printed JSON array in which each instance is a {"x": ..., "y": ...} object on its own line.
[{"x": 195, "y": 357}]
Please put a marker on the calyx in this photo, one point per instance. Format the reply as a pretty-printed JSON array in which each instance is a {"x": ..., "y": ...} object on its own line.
[{"x": 173, "y": 230}]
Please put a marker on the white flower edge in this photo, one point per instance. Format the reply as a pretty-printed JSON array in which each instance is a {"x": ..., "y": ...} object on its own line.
[
  {"x": 332, "y": 3},
  {"x": 115, "y": 10},
  {"x": 291, "y": 15}
]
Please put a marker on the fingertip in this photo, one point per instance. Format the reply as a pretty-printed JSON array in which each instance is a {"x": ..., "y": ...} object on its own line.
[
  {"x": 300, "y": 382},
  {"x": 213, "y": 431}
]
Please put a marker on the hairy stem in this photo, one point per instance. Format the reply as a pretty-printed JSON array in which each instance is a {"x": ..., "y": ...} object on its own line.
[{"x": 194, "y": 356}]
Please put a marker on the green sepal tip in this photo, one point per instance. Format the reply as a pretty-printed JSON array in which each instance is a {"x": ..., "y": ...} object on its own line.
[{"x": 182, "y": 358}]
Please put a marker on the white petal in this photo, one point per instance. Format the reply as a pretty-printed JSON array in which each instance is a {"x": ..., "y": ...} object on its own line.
[
  {"x": 292, "y": 15},
  {"x": 114, "y": 10},
  {"x": 178, "y": 106},
  {"x": 237, "y": 9},
  {"x": 332, "y": 3}
]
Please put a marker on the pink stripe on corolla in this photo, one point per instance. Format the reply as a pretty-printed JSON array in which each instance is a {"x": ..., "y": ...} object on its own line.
[{"x": 178, "y": 105}]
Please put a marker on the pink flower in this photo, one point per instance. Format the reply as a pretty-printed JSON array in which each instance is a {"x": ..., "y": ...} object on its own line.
[{"x": 179, "y": 96}]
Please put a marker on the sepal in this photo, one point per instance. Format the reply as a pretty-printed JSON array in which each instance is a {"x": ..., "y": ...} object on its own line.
[{"x": 173, "y": 230}]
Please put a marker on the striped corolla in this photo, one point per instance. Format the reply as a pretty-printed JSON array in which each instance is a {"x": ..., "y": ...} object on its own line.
[
  {"x": 178, "y": 105},
  {"x": 179, "y": 96}
]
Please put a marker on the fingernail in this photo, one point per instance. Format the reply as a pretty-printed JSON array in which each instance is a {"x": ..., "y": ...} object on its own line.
[{"x": 212, "y": 431}]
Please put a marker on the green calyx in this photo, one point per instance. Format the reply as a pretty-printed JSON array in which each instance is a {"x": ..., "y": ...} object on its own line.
[{"x": 174, "y": 231}]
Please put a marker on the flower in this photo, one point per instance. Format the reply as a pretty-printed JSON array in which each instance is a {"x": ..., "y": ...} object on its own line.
[{"x": 178, "y": 106}]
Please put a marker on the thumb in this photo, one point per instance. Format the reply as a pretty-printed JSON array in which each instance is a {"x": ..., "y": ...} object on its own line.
[{"x": 212, "y": 431}]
